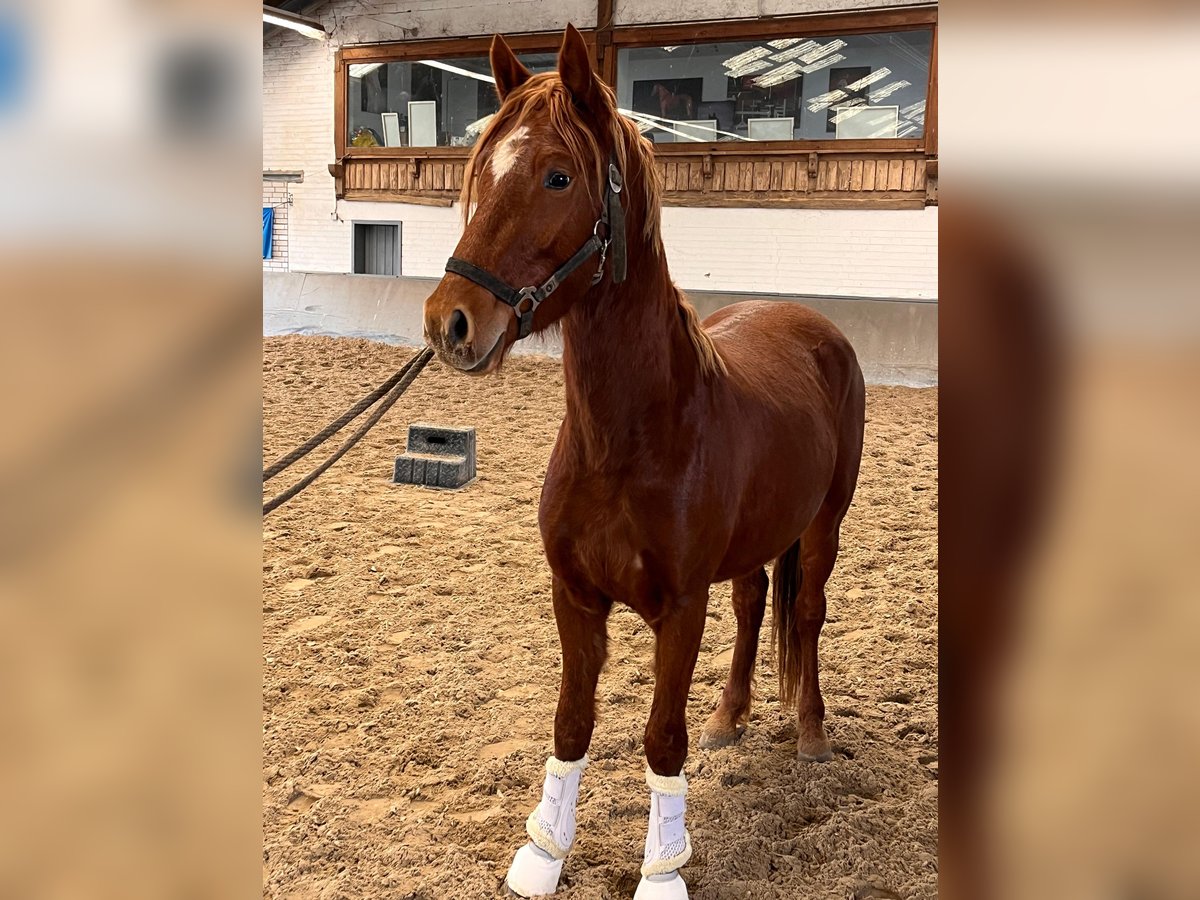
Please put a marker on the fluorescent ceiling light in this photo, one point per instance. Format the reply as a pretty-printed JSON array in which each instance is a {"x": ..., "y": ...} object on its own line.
[
  {"x": 793, "y": 52},
  {"x": 822, "y": 63},
  {"x": 787, "y": 72},
  {"x": 457, "y": 71},
  {"x": 307, "y": 27},
  {"x": 868, "y": 80},
  {"x": 749, "y": 56},
  {"x": 823, "y": 50},
  {"x": 747, "y": 68},
  {"x": 888, "y": 89}
]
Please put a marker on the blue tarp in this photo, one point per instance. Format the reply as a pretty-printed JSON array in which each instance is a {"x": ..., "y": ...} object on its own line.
[
  {"x": 14, "y": 61},
  {"x": 268, "y": 222}
]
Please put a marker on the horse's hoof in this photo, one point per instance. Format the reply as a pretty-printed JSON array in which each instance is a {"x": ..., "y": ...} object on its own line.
[
  {"x": 812, "y": 744},
  {"x": 821, "y": 757},
  {"x": 719, "y": 732},
  {"x": 714, "y": 739},
  {"x": 661, "y": 887},
  {"x": 534, "y": 872}
]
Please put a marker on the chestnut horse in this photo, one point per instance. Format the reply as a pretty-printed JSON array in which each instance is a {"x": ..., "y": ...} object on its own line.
[{"x": 688, "y": 454}]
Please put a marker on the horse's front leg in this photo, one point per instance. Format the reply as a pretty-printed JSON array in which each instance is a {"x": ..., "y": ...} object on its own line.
[
  {"x": 677, "y": 643},
  {"x": 582, "y": 618}
]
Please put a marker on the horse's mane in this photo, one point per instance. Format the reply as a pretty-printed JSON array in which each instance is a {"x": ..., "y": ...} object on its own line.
[{"x": 545, "y": 93}]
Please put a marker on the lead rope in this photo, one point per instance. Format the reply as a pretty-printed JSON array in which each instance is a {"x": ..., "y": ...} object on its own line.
[{"x": 391, "y": 391}]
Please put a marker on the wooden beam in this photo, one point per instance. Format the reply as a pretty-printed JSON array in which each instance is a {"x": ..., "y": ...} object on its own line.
[
  {"x": 450, "y": 48},
  {"x": 418, "y": 198},
  {"x": 797, "y": 201},
  {"x": 931, "y": 100},
  {"x": 340, "y": 91},
  {"x": 769, "y": 148},
  {"x": 905, "y": 19},
  {"x": 458, "y": 154},
  {"x": 606, "y": 53}
]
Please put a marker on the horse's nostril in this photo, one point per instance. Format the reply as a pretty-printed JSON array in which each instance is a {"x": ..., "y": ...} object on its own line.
[{"x": 457, "y": 330}]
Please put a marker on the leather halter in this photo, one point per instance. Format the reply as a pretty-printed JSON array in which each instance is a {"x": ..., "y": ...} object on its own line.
[{"x": 525, "y": 301}]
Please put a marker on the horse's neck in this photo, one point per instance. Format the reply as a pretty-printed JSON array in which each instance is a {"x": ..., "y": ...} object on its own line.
[{"x": 626, "y": 358}]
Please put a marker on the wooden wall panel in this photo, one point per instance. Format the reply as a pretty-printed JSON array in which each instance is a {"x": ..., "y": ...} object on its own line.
[
  {"x": 730, "y": 177},
  {"x": 718, "y": 176}
]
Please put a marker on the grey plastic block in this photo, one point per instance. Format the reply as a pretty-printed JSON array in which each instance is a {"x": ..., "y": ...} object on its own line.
[{"x": 437, "y": 457}]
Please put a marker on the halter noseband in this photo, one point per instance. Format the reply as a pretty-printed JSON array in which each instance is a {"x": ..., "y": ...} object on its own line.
[{"x": 524, "y": 301}]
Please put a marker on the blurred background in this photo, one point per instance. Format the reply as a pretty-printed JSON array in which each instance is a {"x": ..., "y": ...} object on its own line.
[
  {"x": 130, "y": 362},
  {"x": 129, "y": 531},
  {"x": 1070, "y": 327}
]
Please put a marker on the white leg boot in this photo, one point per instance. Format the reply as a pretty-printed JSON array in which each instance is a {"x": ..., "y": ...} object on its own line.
[
  {"x": 667, "y": 843},
  {"x": 535, "y": 869}
]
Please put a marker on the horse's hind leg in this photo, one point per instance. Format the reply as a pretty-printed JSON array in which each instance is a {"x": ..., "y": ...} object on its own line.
[
  {"x": 732, "y": 714},
  {"x": 818, "y": 553}
]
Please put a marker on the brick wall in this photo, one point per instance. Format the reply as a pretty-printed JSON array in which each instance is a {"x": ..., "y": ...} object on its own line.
[
  {"x": 298, "y": 136},
  {"x": 275, "y": 194}
]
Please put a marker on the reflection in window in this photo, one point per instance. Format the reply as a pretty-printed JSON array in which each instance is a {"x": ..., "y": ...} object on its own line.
[
  {"x": 426, "y": 103},
  {"x": 796, "y": 88}
]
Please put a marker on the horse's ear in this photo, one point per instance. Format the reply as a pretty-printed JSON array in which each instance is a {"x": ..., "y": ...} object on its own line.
[
  {"x": 575, "y": 70},
  {"x": 506, "y": 68}
]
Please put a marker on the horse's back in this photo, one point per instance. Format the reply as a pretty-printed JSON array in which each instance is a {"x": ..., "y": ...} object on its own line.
[{"x": 771, "y": 339}]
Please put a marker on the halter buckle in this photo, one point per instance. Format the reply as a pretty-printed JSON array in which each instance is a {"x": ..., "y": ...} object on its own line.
[
  {"x": 614, "y": 179},
  {"x": 600, "y": 268},
  {"x": 526, "y": 293}
]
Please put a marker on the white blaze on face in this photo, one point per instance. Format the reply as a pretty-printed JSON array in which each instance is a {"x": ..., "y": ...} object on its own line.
[{"x": 505, "y": 156}]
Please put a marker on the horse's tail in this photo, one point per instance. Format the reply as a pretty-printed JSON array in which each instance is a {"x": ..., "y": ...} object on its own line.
[{"x": 785, "y": 588}]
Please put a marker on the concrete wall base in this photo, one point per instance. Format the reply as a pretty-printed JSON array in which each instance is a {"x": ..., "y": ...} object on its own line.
[{"x": 895, "y": 339}]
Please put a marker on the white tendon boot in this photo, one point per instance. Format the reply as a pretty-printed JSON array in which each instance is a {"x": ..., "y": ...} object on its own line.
[
  {"x": 535, "y": 869},
  {"x": 667, "y": 843}
]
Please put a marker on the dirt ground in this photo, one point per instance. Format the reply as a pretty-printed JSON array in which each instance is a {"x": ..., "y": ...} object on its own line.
[{"x": 411, "y": 668}]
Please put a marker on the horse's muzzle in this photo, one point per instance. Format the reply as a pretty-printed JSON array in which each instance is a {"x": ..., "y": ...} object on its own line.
[{"x": 462, "y": 344}]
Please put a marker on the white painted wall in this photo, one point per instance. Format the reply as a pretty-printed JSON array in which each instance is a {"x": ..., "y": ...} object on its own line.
[
  {"x": 828, "y": 252},
  {"x": 860, "y": 253},
  {"x": 366, "y": 21}
]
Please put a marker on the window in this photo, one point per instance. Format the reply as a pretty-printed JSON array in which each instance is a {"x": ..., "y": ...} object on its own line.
[
  {"x": 827, "y": 87},
  {"x": 425, "y": 103},
  {"x": 376, "y": 248},
  {"x": 822, "y": 110}
]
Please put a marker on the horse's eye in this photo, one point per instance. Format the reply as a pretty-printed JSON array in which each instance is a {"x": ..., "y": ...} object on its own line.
[{"x": 557, "y": 181}]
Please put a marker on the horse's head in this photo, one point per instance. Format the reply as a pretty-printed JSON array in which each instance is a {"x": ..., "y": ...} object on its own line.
[{"x": 537, "y": 182}]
